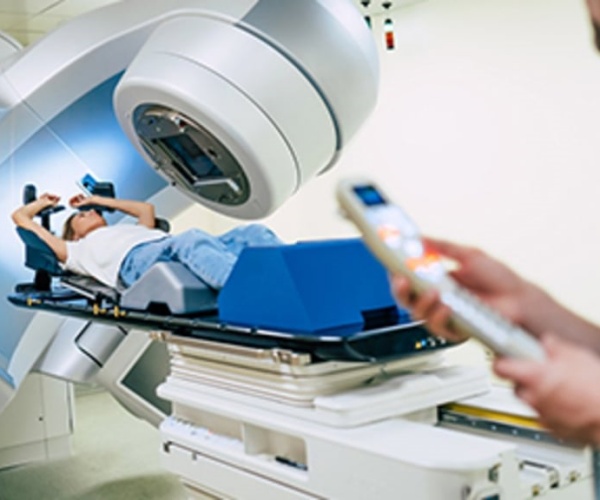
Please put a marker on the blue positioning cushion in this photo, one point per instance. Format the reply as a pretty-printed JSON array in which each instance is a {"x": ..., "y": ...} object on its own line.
[{"x": 319, "y": 288}]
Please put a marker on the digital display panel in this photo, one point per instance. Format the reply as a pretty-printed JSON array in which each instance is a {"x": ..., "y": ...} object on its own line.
[{"x": 369, "y": 195}]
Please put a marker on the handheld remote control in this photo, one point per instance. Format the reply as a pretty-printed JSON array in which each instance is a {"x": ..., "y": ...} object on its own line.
[{"x": 396, "y": 241}]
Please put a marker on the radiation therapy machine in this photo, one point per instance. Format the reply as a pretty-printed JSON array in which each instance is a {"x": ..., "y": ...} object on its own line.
[{"x": 301, "y": 378}]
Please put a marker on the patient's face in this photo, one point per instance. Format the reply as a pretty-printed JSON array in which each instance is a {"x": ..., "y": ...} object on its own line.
[{"x": 85, "y": 222}]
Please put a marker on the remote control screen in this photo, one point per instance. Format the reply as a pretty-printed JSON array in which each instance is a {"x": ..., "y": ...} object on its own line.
[
  {"x": 400, "y": 234},
  {"x": 369, "y": 195}
]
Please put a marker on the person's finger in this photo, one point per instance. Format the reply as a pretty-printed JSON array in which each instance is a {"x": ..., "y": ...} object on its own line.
[
  {"x": 525, "y": 394},
  {"x": 440, "y": 323},
  {"x": 447, "y": 248},
  {"x": 76, "y": 200},
  {"x": 553, "y": 345},
  {"x": 402, "y": 290},
  {"x": 521, "y": 371},
  {"x": 424, "y": 305},
  {"x": 52, "y": 198}
]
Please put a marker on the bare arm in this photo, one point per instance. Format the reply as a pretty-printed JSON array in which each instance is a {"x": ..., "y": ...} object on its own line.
[
  {"x": 23, "y": 217},
  {"x": 543, "y": 314},
  {"x": 141, "y": 210}
]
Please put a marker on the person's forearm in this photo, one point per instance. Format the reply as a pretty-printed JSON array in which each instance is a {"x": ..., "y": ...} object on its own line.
[
  {"x": 542, "y": 314},
  {"x": 141, "y": 210},
  {"x": 23, "y": 215}
]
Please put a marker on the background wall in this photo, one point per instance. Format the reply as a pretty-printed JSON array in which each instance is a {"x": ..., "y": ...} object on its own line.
[{"x": 487, "y": 132}]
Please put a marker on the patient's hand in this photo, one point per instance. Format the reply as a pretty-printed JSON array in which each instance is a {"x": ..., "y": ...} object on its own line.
[
  {"x": 48, "y": 199},
  {"x": 80, "y": 200}
]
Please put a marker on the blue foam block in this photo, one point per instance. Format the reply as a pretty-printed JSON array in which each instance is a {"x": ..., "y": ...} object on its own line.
[{"x": 322, "y": 287}]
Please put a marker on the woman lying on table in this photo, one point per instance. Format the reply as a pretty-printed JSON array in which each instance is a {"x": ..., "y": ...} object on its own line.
[{"x": 122, "y": 253}]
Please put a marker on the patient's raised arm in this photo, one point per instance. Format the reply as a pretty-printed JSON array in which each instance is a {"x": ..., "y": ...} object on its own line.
[
  {"x": 24, "y": 217},
  {"x": 141, "y": 210}
]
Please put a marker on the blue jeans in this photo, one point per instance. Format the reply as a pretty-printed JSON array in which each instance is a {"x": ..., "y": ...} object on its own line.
[{"x": 210, "y": 258}]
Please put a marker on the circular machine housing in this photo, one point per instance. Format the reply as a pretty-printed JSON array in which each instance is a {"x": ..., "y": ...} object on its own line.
[
  {"x": 201, "y": 162},
  {"x": 239, "y": 115}
]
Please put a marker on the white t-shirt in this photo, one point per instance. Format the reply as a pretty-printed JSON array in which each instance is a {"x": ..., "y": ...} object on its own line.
[{"x": 101, "y": 252}]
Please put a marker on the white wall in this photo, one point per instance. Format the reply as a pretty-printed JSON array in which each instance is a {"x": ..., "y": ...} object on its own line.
[{"x": 487, "y": 132}]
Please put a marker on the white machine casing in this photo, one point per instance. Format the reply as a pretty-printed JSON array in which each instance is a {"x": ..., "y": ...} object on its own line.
[{"x": 279, "y": 139}]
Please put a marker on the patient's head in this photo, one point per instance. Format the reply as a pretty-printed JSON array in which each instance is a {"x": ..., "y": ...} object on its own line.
[{"x": 81, "y": 223}]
